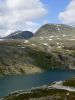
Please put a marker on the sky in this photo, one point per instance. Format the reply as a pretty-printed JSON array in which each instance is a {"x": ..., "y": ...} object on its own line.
[{"x": 31, "y": 14}]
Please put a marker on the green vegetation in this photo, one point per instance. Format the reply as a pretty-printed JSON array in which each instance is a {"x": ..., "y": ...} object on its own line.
[
  {"x": 16, "y": 57},
  {"x": 70, "y": 82},
  {"x": 36, "y": 94},
  {"x": 45, "y": 94},
  {"x": 43, "y": 59}
]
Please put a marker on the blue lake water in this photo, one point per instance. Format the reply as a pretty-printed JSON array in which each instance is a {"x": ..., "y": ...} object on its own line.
[{"x": 9, "y": 84}]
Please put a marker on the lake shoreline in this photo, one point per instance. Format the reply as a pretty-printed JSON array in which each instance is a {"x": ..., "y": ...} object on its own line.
[
  {"x": 55, "y": 86},
  {"x": 24, "y": 82},
  {"x": 55, "y": 69}
]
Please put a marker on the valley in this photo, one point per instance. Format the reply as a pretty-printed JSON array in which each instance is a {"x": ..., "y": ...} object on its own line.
[
  {"x": 51, "y": 48},
  {"x": 18, "y": 57},
  {"x": 39, "y": 54}
]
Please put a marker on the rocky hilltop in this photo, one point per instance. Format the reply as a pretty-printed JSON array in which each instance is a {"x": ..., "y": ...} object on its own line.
[
  {"x": 19, "y": 35},
  {"x": 55, "y": 29}
]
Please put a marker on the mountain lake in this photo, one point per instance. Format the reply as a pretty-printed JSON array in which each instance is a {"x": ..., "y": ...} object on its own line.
[{"x": 13, "y": 83}]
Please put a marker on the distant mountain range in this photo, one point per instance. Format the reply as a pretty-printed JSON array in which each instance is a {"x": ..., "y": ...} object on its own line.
[
  {"x": 45, "y": 30},
  {"x": 19, "y": 35}
]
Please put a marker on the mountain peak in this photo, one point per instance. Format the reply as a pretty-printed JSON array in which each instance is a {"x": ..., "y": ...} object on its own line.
[
  {"x": 19, "y": 35},
  {"x": 49, "y": 29}
]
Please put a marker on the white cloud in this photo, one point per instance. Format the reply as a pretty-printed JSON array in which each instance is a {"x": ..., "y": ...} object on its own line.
[
  {"x": 45, "y": 22},
  {"x": 31, "y": 26},
  {"x": 19, "y": 14},
  {"x": 68, "y": 15}
]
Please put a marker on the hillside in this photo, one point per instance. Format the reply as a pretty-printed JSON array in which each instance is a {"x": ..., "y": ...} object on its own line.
[
  {"x": 55, "y": 29},
  {"x": 55, "y": 34},
  {"x": 37, "y": 54},
  {"x": 17, "y": 57},
  {"x": 19, "y": 35}
]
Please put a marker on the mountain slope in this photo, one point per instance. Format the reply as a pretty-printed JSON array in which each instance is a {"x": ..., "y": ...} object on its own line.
[
  {"x": 19, "y": 35},
  {"x": 56, "y": 29},
  {"x": 23, "y": 56},
  {"x": 55, "y": 35}
]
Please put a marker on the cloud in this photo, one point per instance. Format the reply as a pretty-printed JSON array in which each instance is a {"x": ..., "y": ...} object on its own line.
[
  {"x": 68, "y": 15},
  {"x": 31, "y": 26},
  {"x": 19, "y": 14}
]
